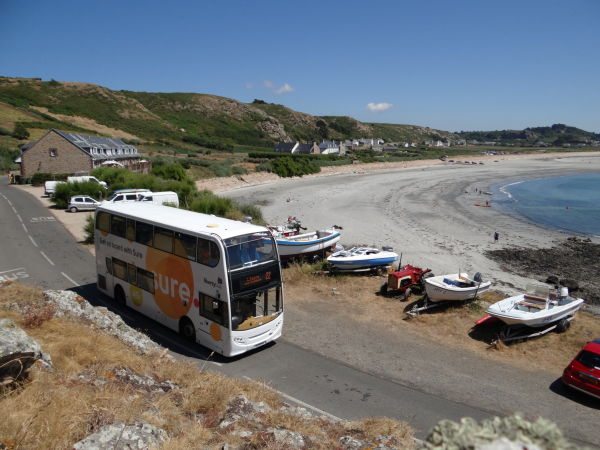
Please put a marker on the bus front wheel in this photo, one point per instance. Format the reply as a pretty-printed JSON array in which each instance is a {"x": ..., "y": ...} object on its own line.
[
  {"x": 120, "y": 296},
  {"x": 187, "y": 329}
]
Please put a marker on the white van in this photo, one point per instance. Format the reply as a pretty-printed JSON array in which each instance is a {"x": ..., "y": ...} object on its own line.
[
  {"x": 50, "y": 187},
  {"x": 127, "y": 195},
  {"x": 84, "y": 178},
  {"x": 161, "y": 198}
]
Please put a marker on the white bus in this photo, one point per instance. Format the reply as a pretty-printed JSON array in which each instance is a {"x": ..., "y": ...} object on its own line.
[{"x": 216, "y": 281}]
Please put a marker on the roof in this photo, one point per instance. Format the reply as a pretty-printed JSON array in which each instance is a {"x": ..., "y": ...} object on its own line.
[
  {"x": 593, "y": 346},
  {"x": 285, "y": 147},
  {"x": 181, "y": 219},
  {"x": 95, "y": 146}
]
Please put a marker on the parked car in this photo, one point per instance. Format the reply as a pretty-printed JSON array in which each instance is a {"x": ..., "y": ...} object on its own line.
[
  {"x": 127, "y": 195},
  {"x": 86, "y": 178},
  {"x": 583, "y": 373},
  {"x": 82, "y": 203},
  {"x": 50, "y": 187},
  {"x": 169, "y": 198}
]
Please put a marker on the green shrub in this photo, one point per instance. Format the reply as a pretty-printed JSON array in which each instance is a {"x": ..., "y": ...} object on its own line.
[
  {"x": 208, "y": 203},
  {"x": 170, "y": 171},
  {"x": 294, "y": 167},
  {"x": 41, "y": 177},
  {"x": 90, "y": 226},
  {"x": 65, "y": 191},
  {"x": 20, "y": 132},
  {"x": 251, "y": 211}
]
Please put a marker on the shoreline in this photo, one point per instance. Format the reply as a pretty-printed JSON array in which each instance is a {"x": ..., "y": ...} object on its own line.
[{"x": 426, "y": 212}]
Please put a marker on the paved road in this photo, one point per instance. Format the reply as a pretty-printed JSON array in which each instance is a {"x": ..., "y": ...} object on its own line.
[{"x": 38, "y": 250}]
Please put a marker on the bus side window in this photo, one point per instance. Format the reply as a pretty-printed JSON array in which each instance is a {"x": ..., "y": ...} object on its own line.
[
  {"x": 163, "y": 239},
  {"x": 132, "y": 274},
  {"x": 103, "y": 221},
  {"x": 109, "y": 265},
  {"x": 120, "y": 269},
  {"x": 143, "y": 233},
  {"x": 130, "y": 230},
  {"x": 208, "y": 253},
  {"x": 117, "y": 225},
  {"x": 145, "y": 280},
  {"x": 213, "y": 309},
  {"x": 185, "y": 246}
]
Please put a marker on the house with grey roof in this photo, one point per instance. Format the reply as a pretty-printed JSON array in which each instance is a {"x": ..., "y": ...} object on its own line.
[
  {"x": 63, "y": 152},
  {"x": 296, "y": 148}
]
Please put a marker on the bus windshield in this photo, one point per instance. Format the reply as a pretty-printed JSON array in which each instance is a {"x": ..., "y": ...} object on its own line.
[{"x": 250, "y": 250}]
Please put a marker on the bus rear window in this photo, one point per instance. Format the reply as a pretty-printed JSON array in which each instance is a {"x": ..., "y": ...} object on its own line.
[{"x": 103, "y": 221}]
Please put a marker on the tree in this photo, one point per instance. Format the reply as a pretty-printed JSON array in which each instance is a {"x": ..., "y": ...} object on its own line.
[{"x": 20, "y": 132}]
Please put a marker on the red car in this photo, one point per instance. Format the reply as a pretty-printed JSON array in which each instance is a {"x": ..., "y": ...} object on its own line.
[{"x": 583, "y": 373}]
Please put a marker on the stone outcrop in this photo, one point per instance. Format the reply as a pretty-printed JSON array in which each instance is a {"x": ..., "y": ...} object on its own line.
[
  {"x": 18, "y": 352},
  {"x": 120, "y": 436}
]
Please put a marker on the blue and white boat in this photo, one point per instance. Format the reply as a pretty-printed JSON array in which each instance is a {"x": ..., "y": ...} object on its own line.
[
  {"x": 362, "y": 258},
  {"x": 297, "y": 246}
]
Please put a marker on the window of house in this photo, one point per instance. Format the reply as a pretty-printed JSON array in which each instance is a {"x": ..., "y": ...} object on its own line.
[{"x": 53, "y": 152}]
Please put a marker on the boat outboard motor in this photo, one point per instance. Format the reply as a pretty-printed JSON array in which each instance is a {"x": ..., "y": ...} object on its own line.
[
  {"x": 564, "y": 292},
  {"x": 477, "y": 277}
]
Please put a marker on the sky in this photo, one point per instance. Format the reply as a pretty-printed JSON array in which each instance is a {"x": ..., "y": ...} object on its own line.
[{"x": 450, "y": 65}]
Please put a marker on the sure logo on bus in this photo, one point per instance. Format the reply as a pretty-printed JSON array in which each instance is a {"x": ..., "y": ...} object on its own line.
[{"x": 173, "y": 282}]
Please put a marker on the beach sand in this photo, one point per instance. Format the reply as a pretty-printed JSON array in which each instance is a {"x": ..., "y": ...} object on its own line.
[{"x": 426, "y": 210}]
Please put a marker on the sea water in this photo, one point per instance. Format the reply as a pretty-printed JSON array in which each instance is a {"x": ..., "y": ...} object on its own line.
[{"x": 566, "y": 203}]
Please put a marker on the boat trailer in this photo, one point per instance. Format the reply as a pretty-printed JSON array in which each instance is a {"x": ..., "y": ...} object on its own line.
[
  {"x": 424, "y": 304},
  {"x": 512, "y": 333}
]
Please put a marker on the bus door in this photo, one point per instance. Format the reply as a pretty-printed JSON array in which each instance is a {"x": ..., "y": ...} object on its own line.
[{"x": 214, "y": 317}]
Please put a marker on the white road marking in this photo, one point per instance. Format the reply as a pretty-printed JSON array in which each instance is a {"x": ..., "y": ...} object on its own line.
[
  {"x": 47, "y": 259},
  {"x": 69, "y": 278},
  {"x": 299, "y": 402},
  {"x": 19, "y": 217},
  {"x": 25, "y": 228},
  {"x": 32, "y": 241},
  {"x": 13, "y": 208},
  {"x": 13, "y": 270}
]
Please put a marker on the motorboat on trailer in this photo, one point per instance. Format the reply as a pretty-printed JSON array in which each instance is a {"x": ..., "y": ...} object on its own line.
[
  {"x": 537, "y": 308},
  {"x": 292, "y": 244},
  {"x": 362, "y": 258},
  {"x": 455, "y": 287}
]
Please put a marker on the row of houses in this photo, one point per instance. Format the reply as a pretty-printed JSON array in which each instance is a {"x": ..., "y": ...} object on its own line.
[{"x": 60, "y": 152}]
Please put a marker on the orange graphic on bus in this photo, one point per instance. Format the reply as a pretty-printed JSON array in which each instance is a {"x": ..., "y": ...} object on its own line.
[{"x": 173, "y": 282}]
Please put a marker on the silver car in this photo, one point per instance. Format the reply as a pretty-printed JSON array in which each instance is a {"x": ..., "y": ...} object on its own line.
[{"x": 82, "y": 203}]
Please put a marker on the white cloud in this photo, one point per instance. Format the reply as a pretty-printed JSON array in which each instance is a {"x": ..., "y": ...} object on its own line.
[
  {"x": 378, "y": 107},
  {"x": 283, "y": 89}
]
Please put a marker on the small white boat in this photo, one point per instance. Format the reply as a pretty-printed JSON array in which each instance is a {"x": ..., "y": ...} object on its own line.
[
  {"x": 539, "y": 307},
  {"x": 362, "y": 258},
  {"x": 455, "y": 287},
  {"x": 306, "y": 244}
]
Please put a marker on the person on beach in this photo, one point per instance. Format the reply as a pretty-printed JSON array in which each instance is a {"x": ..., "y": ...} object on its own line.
[{"x": 496, "y": 236}]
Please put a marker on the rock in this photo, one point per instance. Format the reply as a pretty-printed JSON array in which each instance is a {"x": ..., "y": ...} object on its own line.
[
  {"x": 506, "y": 444},
  {"x": 18, "y": 352},
  {"x": 71, "y": 304},
  {"x": 350, "y": 443},
  {"x": 240, "y": 408},
  {"x": 119, "y": 436},
  {"x": 572, "y": 285},
  {"x": 144, "y": 383},
  {"x": 552, "y": 279},
  {"x": 287, "y": 438}
]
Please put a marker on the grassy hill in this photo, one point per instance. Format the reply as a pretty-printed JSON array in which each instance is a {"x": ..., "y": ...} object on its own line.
[
  {"x": 178, "y": 119},
  {"x": 555, "y": 135}
]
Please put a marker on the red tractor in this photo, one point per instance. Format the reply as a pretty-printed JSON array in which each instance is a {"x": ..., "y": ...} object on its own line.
[{"x": 405, "y": 280}]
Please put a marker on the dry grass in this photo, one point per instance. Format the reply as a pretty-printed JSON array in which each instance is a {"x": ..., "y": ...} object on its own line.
[
  {"x": 55, "y": 410},
  {"x": 355, "y": 298}
]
